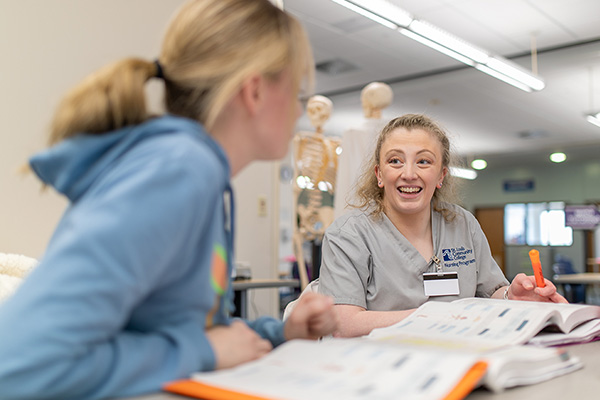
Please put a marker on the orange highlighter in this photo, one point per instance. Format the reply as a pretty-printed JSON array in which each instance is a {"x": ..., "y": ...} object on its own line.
[{"x": 534, "y": 256}]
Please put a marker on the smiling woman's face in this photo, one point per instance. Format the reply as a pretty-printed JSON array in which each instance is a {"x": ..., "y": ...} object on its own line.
[{"x": 410, "y": 169}]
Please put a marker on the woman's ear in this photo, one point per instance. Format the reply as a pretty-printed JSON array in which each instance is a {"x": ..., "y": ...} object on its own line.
[
  {"x": 378, "y": 176},
  {"x": 252, "y": 93},
  {"x": 444, "y": 173}
]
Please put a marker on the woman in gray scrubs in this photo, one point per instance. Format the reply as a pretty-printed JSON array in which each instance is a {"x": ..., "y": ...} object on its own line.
[{"x": 405, "y": 243}]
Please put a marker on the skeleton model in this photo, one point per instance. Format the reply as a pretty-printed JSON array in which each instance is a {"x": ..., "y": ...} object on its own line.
[
  {"x": 315, "y": 166},
  {"x": 375, "y": 97},
  {"x": 358, "y": 143}
]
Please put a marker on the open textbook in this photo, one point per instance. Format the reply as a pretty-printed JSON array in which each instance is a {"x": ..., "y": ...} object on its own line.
[
  {"x": 491, "y": 323},
  {"x": 441, "y": 351},
  {"x": 348, "y": 369},
  {"x": 361, "y": 368}
]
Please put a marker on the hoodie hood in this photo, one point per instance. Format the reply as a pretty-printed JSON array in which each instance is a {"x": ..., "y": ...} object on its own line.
[{"x": 73, "y": 165}]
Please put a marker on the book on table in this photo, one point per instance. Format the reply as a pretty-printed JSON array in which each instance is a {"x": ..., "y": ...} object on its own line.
[
  {"x": 441, "y": 351},
  {"x": 496, "y": 323},
  {"x": 348, "y": 369},
  {"x": 583, "y": 333}
]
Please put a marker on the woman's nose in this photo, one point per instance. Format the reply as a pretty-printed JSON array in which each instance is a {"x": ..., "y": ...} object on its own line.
[{"x": 409, "y": 171}]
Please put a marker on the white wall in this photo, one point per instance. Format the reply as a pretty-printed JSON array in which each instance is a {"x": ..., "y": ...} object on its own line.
[
  {"x": 257, "y": 237},
  {"x": 49, "y": 46}
]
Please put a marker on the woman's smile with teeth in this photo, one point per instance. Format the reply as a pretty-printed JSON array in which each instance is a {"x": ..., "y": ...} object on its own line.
[{"x": 411, "y": 189}]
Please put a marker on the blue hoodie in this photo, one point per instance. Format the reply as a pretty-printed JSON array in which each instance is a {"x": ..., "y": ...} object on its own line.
[{"x": 136, "y": 270}]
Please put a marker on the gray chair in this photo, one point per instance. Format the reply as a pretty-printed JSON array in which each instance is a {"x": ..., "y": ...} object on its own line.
[{"x": 574, "y": 293}]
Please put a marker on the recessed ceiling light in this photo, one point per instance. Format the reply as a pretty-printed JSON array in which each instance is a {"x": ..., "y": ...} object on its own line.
[
  {"x": 478, "y": 164},
  {"x": 558, "y": 157}
]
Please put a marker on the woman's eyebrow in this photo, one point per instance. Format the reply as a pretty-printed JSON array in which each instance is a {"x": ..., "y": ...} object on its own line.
[
  {"x": 400, "y": 151},
  {"x": 426, "y": 151},
  {"x": 393, "y": 151}
]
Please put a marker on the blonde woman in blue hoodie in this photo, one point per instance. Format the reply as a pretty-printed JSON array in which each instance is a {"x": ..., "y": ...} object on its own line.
[{"x": 133, "y": 290}]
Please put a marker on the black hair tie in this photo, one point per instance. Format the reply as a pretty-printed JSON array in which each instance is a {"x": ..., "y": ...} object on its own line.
[{"x": 159, "y": 70}]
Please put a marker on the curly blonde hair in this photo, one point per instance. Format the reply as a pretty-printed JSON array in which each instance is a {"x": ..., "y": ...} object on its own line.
[{"x": 368, "y": 193}]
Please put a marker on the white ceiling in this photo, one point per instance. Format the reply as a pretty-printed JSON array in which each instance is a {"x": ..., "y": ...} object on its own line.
[{"x": 485, "y": 117}]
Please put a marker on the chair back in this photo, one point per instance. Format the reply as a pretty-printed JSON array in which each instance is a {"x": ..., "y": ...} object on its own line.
[
  {"x": 574, "y": 293},
  {"x": 311, "y": 287},
  {"x": 14, "y": 268}
]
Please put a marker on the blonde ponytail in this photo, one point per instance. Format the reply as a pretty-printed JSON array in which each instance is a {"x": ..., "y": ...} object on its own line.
[{"x": 111, "y": 98}]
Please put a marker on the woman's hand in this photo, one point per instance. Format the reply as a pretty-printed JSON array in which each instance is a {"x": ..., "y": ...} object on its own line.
[
  {"x": 523, "y": 288},
  {"x": 312, "y": 317},
  {"x": 236, "y": 344}
]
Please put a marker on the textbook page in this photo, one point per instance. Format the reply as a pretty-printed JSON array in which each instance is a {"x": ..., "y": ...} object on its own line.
[
  {"x": 526, "y": 365},
  {"x": 583, "y": 333},
  {"x": 349, "y": 369},
  {"x": 508, "y": 366},
  {"x": 487, "y": 323},
  {"x": 564, "y": 316},
  {"x": 572, "y": 323}
]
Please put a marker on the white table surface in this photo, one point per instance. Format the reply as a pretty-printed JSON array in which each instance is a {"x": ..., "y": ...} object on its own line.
[{"x": 583, "y": 278}]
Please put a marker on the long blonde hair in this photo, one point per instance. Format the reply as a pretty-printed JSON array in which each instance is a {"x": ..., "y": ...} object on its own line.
[
  {"x": 370, "y": 195},
  {"x": 209, "y": 48}
]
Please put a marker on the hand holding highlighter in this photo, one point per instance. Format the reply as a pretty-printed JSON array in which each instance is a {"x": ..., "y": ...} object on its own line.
[{"x": 534, "y": 256}]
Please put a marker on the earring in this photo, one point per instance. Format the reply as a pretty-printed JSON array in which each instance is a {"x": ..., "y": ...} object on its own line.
[
  {"x": 379, "y": 182},
  {"x": 439, "y": 185}
]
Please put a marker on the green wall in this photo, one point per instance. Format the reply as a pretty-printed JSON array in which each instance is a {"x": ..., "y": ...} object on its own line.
[
  {"x": 574, "y": 182},
  {"x": 571, "y": 182}
]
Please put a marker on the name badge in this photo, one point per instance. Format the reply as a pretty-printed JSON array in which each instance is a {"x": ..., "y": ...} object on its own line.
[{"x": 441, "y": 284}]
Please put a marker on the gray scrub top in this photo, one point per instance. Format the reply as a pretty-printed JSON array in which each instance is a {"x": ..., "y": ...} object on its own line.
[{"x": 368, "y": 263}]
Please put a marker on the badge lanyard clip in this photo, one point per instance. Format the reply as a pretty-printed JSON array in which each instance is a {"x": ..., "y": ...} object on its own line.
[{"x": 438, "y": 264}]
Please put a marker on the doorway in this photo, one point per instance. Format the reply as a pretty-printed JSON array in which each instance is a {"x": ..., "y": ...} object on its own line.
[{"x": 492, "y": 224}]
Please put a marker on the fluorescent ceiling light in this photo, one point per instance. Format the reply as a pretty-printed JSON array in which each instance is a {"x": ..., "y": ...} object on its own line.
[
  {"x": 503, "y": 77},
  {"x": 463, "y": 173},
  {"x": 516, "y": 72},
  {"x": 449, "y": 41},
  {"x": 594, "y": 119},
  {"x": 366, "y": 13},
  {"x": 435, "y": 46},
  {"x": 380, "y": 11},
  {"x": 386, "y": 10},
  {"x": 391, "y": 16}
]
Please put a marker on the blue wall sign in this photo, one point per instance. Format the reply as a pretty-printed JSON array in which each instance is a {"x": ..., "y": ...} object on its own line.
[{"x": 522, "y": 185}]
